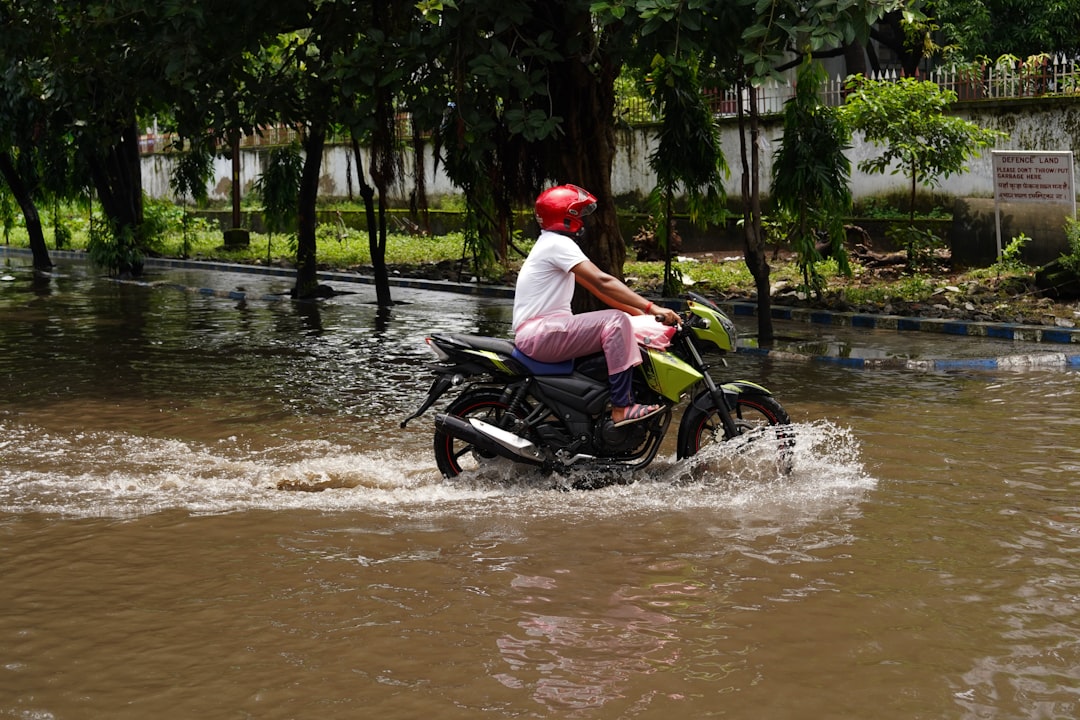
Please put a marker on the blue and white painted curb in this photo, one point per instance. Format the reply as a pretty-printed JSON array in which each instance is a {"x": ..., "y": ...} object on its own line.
[
  {"x": 1027, "y": 361},
  {"x": 944, "y": 326}
]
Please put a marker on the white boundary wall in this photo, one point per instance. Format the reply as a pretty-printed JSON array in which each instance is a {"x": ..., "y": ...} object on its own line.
[{"x": 1049, "y": 125}]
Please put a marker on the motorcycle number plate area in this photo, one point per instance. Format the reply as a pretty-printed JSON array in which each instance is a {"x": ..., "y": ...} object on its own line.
[{"x": 667, "y": 374}]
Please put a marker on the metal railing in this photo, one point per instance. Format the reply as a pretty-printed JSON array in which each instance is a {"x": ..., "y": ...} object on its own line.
[{"x": 1005, "y": 78}]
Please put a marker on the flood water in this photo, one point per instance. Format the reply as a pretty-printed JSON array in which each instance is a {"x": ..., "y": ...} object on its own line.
[{"x": 208, "y": 509}]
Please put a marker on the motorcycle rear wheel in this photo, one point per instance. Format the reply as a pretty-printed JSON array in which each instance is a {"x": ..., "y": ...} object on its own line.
[
  {"x": 752, "y": 415},
  {"x": 454, "y": 456}
]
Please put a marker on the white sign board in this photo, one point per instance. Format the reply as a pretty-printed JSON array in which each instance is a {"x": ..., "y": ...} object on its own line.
[{"x": 1032, "y": 176}]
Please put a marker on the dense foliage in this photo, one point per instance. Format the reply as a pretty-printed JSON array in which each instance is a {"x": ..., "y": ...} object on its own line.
[{"x": 517, "y": 94}]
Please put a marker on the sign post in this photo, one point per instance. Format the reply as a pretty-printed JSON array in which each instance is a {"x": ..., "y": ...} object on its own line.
[{"x": 1032, "y": 176}]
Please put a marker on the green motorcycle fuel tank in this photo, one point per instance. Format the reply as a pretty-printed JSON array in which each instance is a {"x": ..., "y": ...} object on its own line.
[
  {"x": 667, "y": 374},
  {"x": 670, "y": 375}
]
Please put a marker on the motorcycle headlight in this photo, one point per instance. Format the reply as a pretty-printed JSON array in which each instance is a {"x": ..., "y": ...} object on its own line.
[{"x": 714, "y": 326}]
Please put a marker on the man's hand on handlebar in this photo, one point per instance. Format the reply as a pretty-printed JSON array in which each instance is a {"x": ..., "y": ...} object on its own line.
[{"x": 664, "y": 315}]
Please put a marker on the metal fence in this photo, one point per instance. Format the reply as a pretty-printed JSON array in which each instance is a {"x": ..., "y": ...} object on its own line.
[{"x": 1006, "y": 78}]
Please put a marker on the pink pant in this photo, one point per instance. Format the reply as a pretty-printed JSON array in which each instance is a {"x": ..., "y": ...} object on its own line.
[{"x": 554, "y": 338}]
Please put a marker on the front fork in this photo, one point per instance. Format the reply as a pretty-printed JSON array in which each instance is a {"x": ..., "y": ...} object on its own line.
[{"x": 716, "y": 393}]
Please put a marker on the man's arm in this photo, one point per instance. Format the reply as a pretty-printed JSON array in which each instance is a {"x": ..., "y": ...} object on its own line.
[{"x": 615, "y": 293}]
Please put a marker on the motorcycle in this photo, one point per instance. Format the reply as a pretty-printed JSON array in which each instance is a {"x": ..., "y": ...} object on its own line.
[{"x": 556, "y": 416}]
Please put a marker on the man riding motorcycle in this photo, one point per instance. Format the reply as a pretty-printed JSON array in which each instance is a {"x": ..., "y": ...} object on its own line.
[
  {"x": 561, "y": 395},
  {"x": 544, "y": 327}
]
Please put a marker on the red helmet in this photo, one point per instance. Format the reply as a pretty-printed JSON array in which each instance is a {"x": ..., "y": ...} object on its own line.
[{"x": 562, "y": 208}]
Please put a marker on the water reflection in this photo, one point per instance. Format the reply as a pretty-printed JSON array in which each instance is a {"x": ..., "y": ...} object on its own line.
[
  {"x": 920, "y": 561},
  {"x": 584, "y": 661}
]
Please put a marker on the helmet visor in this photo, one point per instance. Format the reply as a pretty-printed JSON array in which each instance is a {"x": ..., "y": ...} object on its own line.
[{"x": 584, "y": 205}]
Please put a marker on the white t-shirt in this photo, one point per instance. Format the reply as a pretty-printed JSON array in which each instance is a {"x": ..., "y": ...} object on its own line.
[{"x": 545, "y": 284}]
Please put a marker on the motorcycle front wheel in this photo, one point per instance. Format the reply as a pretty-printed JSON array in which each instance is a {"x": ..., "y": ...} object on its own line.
[
  {"x": 454, "y": 456},
  {"x": 756, "y": 417}
]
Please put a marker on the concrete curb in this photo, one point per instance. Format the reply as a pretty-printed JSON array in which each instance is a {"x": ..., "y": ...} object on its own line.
[
  {"x": 1029, "y": 361},
  {"x": 946, "y": 326},
  {"x": 1000, "y": 331}
]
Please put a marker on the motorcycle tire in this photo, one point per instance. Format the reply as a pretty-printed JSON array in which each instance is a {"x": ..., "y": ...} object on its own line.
[
  {"x": 454, "y": 456},
  {"x": 751, "y": 414}
]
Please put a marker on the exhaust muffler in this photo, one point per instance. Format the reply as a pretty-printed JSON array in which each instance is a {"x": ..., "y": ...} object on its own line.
[{"x": 486, "y": 436}]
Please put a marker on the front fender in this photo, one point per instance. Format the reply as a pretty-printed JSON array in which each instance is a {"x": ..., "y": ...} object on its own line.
[
  {"x": 703, "y": 406},
  {"x": 703, "y": 400},
  {"x": 744, "y": 386}
]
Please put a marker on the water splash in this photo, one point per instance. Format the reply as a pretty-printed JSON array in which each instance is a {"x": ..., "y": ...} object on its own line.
[
  {"x": 822, "y": 457},
  {"x": 122, "y": 475}
]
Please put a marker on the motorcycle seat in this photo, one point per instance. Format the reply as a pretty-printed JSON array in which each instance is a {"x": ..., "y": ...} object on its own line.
[
  {"x": 542, "y": 368},
  {"x": 480, "y": 342}
]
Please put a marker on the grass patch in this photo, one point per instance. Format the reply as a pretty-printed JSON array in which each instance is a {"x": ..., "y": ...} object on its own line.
[
  {"x": 348, "y": 249},
  {"x": 343, "y": 248}
]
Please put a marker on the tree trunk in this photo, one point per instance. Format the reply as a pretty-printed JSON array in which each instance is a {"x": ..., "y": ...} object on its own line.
[
  {"x": 29, "y": 210},
  {"x": 756, "y": 256},
  {"x": 378, "y": 256},
  {"x": 117, "y": 178},
  {"x": 671, "y": 287},
  {"x": 383, "y": 166},
  {"x": 583, "y": 94},
  {"x": 418, "y": 203},
  {"x": 376, "y": 242},
  {"x": 234, "y": 144},
  {"x": 307, "y": 280},
  {"x": 889, "y": 31},
  {"x": 854, "y": 59}
]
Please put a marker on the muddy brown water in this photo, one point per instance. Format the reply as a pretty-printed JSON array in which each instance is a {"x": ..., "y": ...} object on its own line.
[{"x": 207, "y": 509}]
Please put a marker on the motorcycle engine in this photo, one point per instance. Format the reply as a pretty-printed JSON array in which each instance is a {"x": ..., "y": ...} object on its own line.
[{"x": 620, "y": 439}]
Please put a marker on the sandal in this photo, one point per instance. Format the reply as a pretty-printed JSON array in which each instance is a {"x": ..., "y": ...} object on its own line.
[{"x": 636, "y": 412}]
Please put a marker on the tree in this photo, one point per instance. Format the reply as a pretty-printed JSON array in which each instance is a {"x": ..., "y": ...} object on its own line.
[
  {"x": 23, "y": 195},
  {"x": 99, "y": 68},
  {"x": 528, "y": 88},
  {"x": 811, "y": 173},
  {"x": 190, "y": 174},
  {"x": 531, "y": 91},
  {"x": 740, "y": 45},
  {"x": 373, "y": 73},
  {"x": 7, "y": 213},
  {"x": 771, "y": 32},
  {"x": 909, "y": 35},
  {"x": 92, "y": 69},
  {"x": 279, "y": 189},
  {"x": 341, "y": 66},
  {"x": 992, "y": 28},
  {"x": 223, "y": 80},
  {"x": 687, "y": 155},
  {"x": 909, "y": 119},
  {"x": 24, "y": 130}
]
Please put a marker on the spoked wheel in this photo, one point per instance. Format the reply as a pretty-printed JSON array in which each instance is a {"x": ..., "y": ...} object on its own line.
[
  {"x": 455, "y": 456},
  {"x": 758, "y": 418}
]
